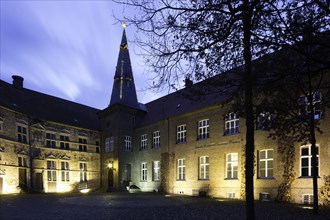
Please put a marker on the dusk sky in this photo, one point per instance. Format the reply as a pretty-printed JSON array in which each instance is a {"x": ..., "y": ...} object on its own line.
[{"x": 67, "y": 49}]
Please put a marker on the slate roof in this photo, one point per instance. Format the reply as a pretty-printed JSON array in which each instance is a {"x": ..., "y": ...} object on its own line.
[{"x": 46, "y": 107}]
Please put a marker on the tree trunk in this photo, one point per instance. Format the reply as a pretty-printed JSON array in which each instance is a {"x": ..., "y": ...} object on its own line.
[{"x": 249, "y": 156}]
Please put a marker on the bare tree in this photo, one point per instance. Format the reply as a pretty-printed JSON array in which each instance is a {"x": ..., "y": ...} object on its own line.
[{"x": 197, "y": 39}]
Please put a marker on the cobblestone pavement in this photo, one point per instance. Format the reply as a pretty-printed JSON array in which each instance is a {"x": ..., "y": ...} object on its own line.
[{"x": 141, "y": 206}]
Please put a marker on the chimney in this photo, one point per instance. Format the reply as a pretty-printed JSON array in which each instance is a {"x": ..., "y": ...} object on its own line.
[{"x": 18, "y": 82}]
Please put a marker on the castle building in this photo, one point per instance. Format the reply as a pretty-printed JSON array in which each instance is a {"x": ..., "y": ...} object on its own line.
[{"x": 173, "y": 144}]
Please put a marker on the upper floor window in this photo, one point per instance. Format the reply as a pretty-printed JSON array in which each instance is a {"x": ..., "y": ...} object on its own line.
[
  {"x": 128, "y": 143},
  {"x": 204, "y": 167},
  {"x": 65, "y": 173},
  {"x": 306, "y": 161},
  {"x": 305, "y": 105},
  {"x": 181, "y": 169},
  {"x": 232, "y": 166},
  {"x": 156, "y": 169},
  {"x": 203, "y": 129},
  {"x": 265, "y": 163},
  {"x": 109, "y": 144},
  {"x": 181, "y": 132},
  {"x": 22, "y": 134},
  {"x": 50, "y": 140},
  {"x": 264, "y": 121},
  {"x": 156, "y": 139},
  {"x": 144, "y": 141},
  {"x": 231, "y": 124},
  {"x": 64, "y": 142},
  {"x": 22, "y": 161},
  {"x": 82, "y": 144},
  {"x": 144, "y": 171}
]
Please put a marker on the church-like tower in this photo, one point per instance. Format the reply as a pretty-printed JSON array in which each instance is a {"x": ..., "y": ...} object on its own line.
[{"x": 123, "y": 90}]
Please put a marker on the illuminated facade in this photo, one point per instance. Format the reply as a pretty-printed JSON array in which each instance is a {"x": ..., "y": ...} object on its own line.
[{"x": 172, "y": 144}]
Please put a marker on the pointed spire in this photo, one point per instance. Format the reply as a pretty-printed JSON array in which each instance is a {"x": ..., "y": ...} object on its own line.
[{"x": 123, "y": 90}]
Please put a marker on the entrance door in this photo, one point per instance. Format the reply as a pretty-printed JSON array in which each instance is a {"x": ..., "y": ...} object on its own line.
[
  {"x": 110, "y": 180},
  {"x": 22, "y": 178},
  {"x": 39, "y": 182}
]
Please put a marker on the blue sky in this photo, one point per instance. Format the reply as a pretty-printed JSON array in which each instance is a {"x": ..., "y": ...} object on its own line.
[{"x": 67, "y": 49}]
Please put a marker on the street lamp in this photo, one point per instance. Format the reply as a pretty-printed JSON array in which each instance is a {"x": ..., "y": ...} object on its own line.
[{"x": 110, "y": 165}]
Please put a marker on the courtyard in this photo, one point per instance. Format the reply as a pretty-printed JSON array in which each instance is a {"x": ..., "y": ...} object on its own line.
[{"x": 142, "y": 206}]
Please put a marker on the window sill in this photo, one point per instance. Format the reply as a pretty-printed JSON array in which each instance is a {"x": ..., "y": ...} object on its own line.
[
  {"x": 181, "y": 142},
  {"x": 204, "y": 179},
  {"x": 231, "y": 134},
  {"x": 307, "y": 177},
  {"x": 231, "y": 178},
  {"x": 183, "y": 180},
  {"x": 265, "y": 178}
]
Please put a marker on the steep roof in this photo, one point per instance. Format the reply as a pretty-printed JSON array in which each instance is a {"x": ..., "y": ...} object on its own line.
[
  {"x": 123, "y": 90},
  {"x": 46, "y": 107}
]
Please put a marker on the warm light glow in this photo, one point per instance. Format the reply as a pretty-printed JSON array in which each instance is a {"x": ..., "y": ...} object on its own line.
[
  {"x": 85, "y": 190},
  {"x": 307, "y": 207},
  {"x": 124, "y": 24},
  {"x": 110, "y": 165}
]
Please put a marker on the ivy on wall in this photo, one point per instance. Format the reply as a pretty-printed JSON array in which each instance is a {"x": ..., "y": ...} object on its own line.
[
  {"x": 324, "y": 194},
  {"x": 242, "y": 192},
  {"x": 286, "y": 151}
]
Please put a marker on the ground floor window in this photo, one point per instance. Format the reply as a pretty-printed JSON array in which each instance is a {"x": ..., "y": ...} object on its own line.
[
  {"x": 83, "y": 172},
  {"x": 65, "y": 173},
  {"x": 306, "y": 160},
  {"x": 51, "y": 170},
  {"x": 204, "y": 167},
  {"x": 156, "y": 169},
  {"x": 144, "y": 171},
  {"x": 232, "y": 166},
  {"x": 265, "y": 163},
  {"x": 181, "y": 169}
]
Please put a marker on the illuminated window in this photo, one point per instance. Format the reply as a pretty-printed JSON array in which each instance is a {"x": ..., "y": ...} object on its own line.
[
  {"x": 156, "y": 169},
  {"x": 266, "y": 163},
  {"x": 264, "y": 121},
  {"x": 156, "y": 139},
  {"x": 82, "y": 144},
  {"x": 128, "y": 143},
  {"x": 144, "y": 171},
  {"x": 109, "y": 144},
  {"x": 22, "y": 133},
  {"x": 181, "y": 172},
  {"x": 305, "y": 107},
  {"x": 181, "y": 134},
  {"x": 144, "y": 142},
  {"x": 203, "y": 129},
  {"x": 306, "y": 161},
  {"x": 232, "y": 166},
  {"x": 64, "y": 142},
  {"x": 22, "y": 161},
  {"x": 204, "y": 167},
  {"x": 51, "y": 170},
  {"x": 83, "y": 171},
  {"x": 308, "y": 199},
  {"x": 231, "y": 124},
  {"x": 65, "y": 173}
]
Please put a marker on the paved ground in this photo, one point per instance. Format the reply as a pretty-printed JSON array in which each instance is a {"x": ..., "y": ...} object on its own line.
[{"x": 141, "y": 206}]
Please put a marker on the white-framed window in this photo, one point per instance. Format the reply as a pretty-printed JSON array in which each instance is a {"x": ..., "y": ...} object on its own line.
[
  {"x": 22, "y": 161},
  {"x": 232, "y": 166},
  {"x": 64, "y": 142},
  {"x": 65, "y": 173},
  {"x": 144, "y": 141},
  {"x": 305, "y": 107},
  {"x": 181, "y": 170},
  {"x": 264, "y": 120},
  {"x": 306, "y": 160},
  {"x": 266, "y": 163},
  {"x": 82, "y": 144},
  {"x": 231, "y": 123},
  {"x": 83, "y": 171},
  {"x": 203, "y": 129},
  {"x": 144, "y": 171},
  {"x": 308, "y": 199},
  {"x": 204, "y": 167},
  {"x": 181, "y": 132},
  {"x": 109, "y": 144},
  {"x": 51, "y": 170},
  {"x": 156, "y": 171},
  {"x": 128, "y": 143},
  {"x": 50, "y": 140},
  {"x": 156, "y": 139},
  {"x": 22, "y": 134}
]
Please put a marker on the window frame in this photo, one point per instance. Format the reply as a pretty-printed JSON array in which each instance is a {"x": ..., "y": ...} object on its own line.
[
  {"x": 231, "y": 124},
  {"x": 83, "y": 171},
  {"x": 22, "y": 133},
  {"x": 156, "y": 139},
  {"x": 267, "y": 160},
  {"x": 304, "y": 105},
  {"x": 309, "y": 161},
  {"x": 144, "y": 172},
  {"x": 204, "y": 168},
  {"x": 203, "y": 131},
  {"x": 82, "y": 144},
  {"x": 51, "y": 171},
  {"x": 144, "y": 142},
  {"x": 181, "y": 169},
  {"x": 156, "y": 171},
  {"x": 65, "y": 142},
  {"x": 231, "y": 164},
  {"x": 128, "y": 143},
  {"x": 65, "y": 173},
  {"x": 181, "y": 134}
]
